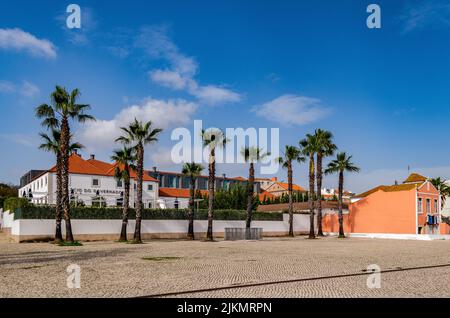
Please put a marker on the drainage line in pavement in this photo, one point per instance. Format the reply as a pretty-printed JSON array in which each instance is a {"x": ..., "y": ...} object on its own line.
[{"x": 289, "y": 281}]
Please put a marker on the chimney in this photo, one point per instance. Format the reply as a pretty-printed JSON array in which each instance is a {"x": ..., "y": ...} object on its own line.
[
  {"x": 396, "y": 182},
  {"x": 92, "y": 157},
  {"x": 154, "y": 169},
  {"x": 274, "y": 179},
  {"x": 224, "y": 176},
  {"x": 75, "y": 151}
]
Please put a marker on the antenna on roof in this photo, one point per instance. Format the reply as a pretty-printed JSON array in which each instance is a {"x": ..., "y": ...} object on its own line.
[{"x": 408, "y": 169}]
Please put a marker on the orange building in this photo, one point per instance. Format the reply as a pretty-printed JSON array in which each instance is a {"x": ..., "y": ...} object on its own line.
[{"x": 413, "y": 207}]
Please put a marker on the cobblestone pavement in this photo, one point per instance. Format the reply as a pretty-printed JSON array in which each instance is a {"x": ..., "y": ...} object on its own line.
[{"x": 158, "y": 267}]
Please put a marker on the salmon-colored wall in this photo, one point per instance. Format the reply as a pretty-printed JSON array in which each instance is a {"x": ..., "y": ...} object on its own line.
[
  {"x": 384, "y": 212},
  {"x": 330, "y": 223}
]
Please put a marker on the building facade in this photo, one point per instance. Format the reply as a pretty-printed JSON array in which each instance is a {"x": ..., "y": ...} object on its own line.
[
  {"x": 413, "y": 207},
  {"x": 91, "y": 182}
]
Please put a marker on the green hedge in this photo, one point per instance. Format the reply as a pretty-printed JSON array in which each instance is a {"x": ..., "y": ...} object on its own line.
[
  {"x": 11, "y": 204},
  {"x": 90, "y": 213}
]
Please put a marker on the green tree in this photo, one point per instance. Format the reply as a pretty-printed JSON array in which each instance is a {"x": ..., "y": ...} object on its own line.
[
  {"x": 325, "y": 148},
  {"x": 139, "y": 134},
  {"x": 341, "y": 164},
  {"x": 443, "y": 188},
  {"x": 51, "y": 143},
  {"x": 251, "y": 155},
  {"x": 64, "y": 107},
  {"x": 309, "y": 145},
  {"x": 212, "y": 138},
  {"x": 125, "y": 162},
  {"x": 291, "y": 154},
  {"x": 192, "y": 171}
]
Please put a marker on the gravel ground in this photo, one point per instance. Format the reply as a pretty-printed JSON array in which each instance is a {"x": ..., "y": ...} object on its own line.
[{"x": 111, "y": 269}]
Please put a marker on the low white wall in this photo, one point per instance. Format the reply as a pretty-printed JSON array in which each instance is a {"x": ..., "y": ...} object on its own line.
[
  {"x": 8, "y": 219},
  {"x": 27, "y": 228}
]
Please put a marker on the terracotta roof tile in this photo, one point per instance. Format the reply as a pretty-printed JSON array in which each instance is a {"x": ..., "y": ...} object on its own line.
[{"x": 415, "y": 177}]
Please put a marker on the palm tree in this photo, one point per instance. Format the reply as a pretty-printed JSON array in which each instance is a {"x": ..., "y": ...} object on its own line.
[
  {"x": 192, "y": 171},
  {"x": 212, "y": 138},
  {"x": 251, "y": 155},
  {"x": 125, "y": 160},
  {"x": 341, "y": 164},
  {"x": 325, "y": 148},
  {"x": 291, "y": 154},
  {"x": 139, "y": 134},
  {"x": 309, "y": 145},
  {"x": 64, "y": 108},
  {"x": 52, "y": 144},
  {"x": 443, "y": 188}
]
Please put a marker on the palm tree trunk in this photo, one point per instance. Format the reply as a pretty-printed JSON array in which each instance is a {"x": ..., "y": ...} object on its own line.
[
  {"x": 250, "y": 185},
  {"x": 140, "y": 173},
  {"x": 58, "y": 207},
  {"x": 65, "y": 139},
  {"x": 311, "y": 197},
  {"x": 291, "y": 208},
  {"x": 319, "y": 194},
  {"x": 125, "y": 208},
  {"x": 191, "y": 208},
  {"x": 211, "y": 182},
  {"x": 341, "y": 217}
]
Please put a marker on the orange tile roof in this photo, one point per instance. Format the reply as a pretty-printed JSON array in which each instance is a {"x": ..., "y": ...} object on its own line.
[
  {"x": 294, "y": 186},
  {"x": 392, "y": 188},
  {"x": 265, "y": 195},
  {"x": 177, "y": 193},
  {"x": 78, "y": 165},
  {"x": 415, "y": 177}
]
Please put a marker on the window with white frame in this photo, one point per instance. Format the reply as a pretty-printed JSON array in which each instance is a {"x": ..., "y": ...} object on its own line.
[
  {"x": 119, "y": 184},
  {"x": 419, "y": 205},
  {"x": 428, "y": 206},
  {"x": 149, "y": 187},
  {"x": 436, "y": 209}
]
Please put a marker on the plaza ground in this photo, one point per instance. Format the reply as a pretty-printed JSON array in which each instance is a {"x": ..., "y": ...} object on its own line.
[{"x": 278, "y": 267}]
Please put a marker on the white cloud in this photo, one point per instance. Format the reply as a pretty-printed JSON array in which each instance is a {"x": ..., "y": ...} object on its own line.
[
  {"x": 425, "y": 14},
  {"x": 19, "y": 40},
  {"x": 163, "y": 114},
  {"x": 26, "y": 89},
  {"x": 182, "y": 69},
  {"x": 292, "y": 110}
]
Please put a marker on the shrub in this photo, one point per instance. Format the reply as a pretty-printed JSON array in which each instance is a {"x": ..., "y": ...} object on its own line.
[
  {"x": 12, "y": 204},
  {"x": 93, "y": 213}
]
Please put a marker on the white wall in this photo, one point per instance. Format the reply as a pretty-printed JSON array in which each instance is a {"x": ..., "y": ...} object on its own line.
[
  {"x": 85, "y": 191},
  {"x": 33, "y": 227}
]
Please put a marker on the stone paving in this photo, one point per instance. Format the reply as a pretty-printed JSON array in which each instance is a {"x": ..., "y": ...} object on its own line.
[{"x": 111, "y": 269}]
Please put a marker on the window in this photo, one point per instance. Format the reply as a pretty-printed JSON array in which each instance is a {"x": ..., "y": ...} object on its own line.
[
  {"x": 150, "y": 187},
  {"x": 419, "y": 205},
  {"x": 150, "y": 205},
  {"x": 436, "y": 210},
  {"x": 119, "y": 184},
  {"x": 134, "y": 186},
  {"x": 95, "y": 182},
  {"x": 428, "y": 206},
  {"x": 185, "y": 183},
  {"x": 119, "y": 202}
]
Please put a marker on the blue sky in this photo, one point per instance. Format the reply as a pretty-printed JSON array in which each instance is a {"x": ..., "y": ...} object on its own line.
[{"x": 295, "y": 65}]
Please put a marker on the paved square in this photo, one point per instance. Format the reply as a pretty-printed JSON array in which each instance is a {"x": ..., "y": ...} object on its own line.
[{"x": 292, "y": 268}]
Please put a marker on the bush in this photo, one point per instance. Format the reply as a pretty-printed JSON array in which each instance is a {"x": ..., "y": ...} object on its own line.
[
  {"x": 92, "y": 213},
  {"x": 11, "y": 204}
]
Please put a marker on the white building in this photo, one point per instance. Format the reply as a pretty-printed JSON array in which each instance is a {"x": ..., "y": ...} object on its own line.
[{"x": 90, "y": 182}]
